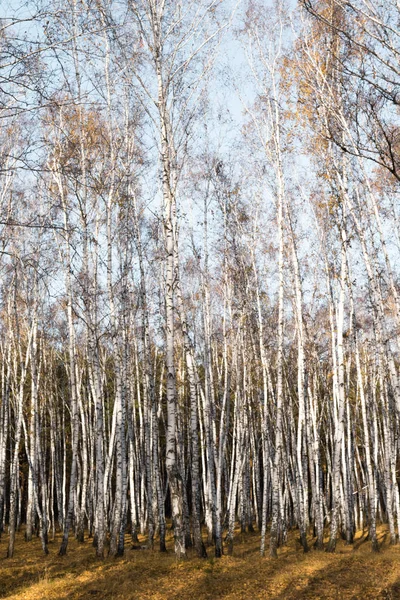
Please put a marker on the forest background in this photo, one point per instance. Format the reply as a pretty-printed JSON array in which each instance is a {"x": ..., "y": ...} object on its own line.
[{"x": 199, "y": 290}]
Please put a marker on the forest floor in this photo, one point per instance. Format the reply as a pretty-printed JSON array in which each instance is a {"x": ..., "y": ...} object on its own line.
[{"x": 353, "y": 572}]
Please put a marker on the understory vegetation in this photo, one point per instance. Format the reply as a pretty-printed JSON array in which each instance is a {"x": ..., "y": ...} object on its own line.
[{"x": 353, "y": 572}]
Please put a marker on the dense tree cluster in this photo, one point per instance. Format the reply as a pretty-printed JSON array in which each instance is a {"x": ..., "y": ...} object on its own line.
[{"x": 200, "y": 312}]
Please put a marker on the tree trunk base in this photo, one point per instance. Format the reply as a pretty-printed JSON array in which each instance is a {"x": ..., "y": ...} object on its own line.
[
  {"x": 303, "y": 542},
  {"x": 331, "y": 547}
]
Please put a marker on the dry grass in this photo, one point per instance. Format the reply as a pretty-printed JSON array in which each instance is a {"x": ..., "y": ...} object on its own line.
[{"x": 353, "y": 572}]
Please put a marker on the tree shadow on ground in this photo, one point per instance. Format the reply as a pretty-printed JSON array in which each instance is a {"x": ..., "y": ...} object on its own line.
[
  {"x": 351, "y": 573},
  {"x": 78, "y": 573}
]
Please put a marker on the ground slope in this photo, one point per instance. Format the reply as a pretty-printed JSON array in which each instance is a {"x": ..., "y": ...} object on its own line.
[{"x": 353, "y": 572}]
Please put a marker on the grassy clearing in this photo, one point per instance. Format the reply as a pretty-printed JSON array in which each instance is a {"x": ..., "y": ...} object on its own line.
[{"x": 352, "y": 573}]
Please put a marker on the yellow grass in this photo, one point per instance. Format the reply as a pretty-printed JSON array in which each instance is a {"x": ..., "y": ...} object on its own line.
[{"x": 353, "y": 572}]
